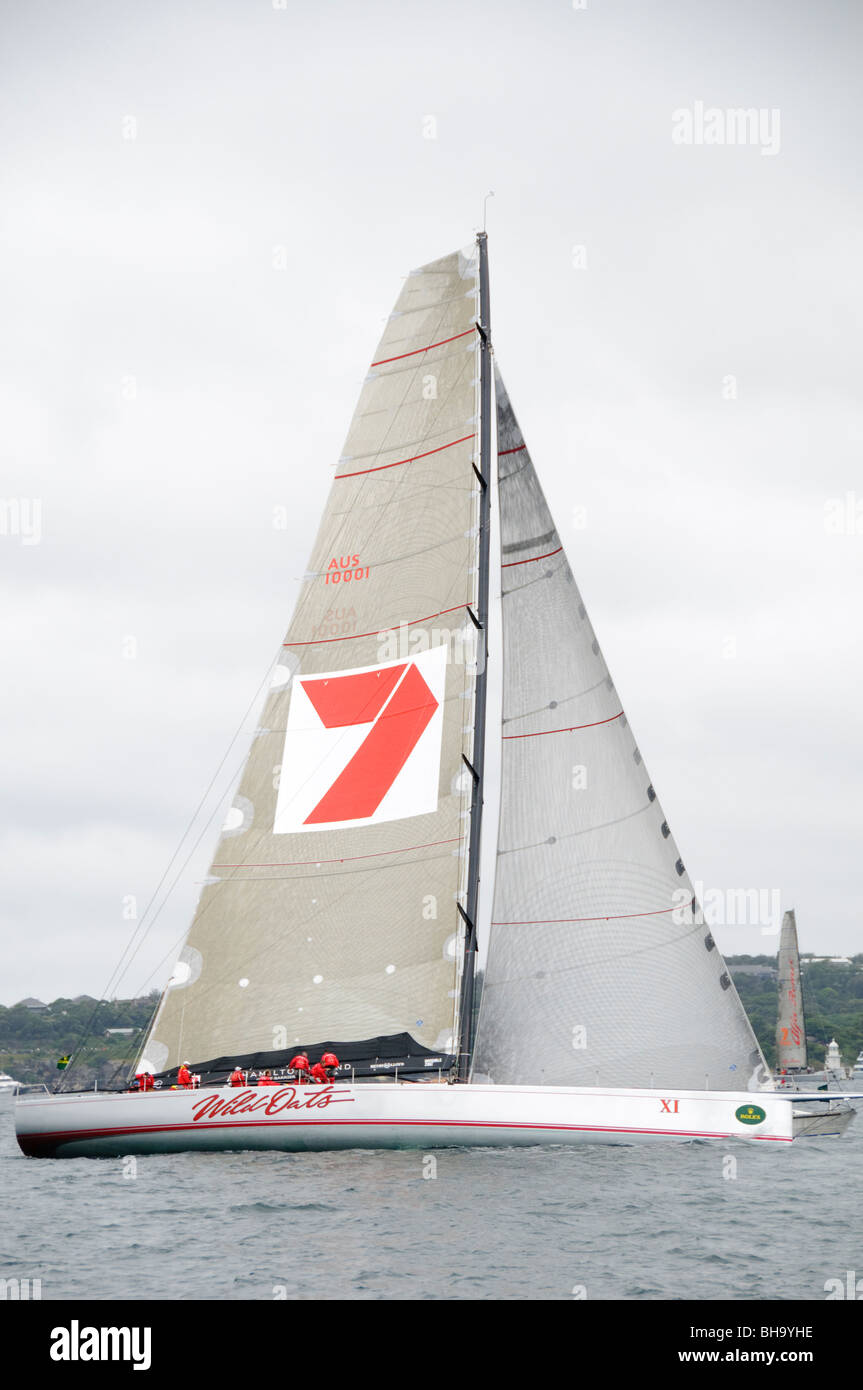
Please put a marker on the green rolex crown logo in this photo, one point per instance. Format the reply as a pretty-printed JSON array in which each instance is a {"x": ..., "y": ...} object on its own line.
[{"x": 750, "y": 1114}]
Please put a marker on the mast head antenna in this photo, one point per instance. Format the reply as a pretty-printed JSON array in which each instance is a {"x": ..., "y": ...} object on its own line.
[{"x": 488, "y": 195}]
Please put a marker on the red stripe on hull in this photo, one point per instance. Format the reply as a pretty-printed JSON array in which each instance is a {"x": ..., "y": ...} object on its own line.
[{"x": 35, "y": 1145}]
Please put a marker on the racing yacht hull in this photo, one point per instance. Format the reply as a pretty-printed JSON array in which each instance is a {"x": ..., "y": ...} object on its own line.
[{"x": 388, "y": 1115}]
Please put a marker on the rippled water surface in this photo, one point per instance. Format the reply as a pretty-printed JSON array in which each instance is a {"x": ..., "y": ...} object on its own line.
[{"x": 652, "y": 1222}]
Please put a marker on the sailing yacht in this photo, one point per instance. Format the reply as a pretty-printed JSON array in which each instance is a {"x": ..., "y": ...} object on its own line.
[
  {"x": 793, "y": 1073},
  {"x": 340, "y": 911}
]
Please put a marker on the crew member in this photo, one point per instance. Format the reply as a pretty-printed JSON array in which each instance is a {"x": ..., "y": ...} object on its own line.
[
  {"x": 265, "y": 1079},
  {"x": 184, "y": 1077},
  {"x": 330, "y": 1061},
  {"x": 237, "y": 1078},
  {"x": 300, "y": 1064},
  {"x": 145, "y": 1081},
  {"x": 318, "y": 1073}
]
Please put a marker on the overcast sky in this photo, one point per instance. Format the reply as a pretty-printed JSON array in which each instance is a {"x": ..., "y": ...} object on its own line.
[{"x": 208, "y": 208}]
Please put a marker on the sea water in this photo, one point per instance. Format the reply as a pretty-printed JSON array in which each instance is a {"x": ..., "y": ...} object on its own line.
[{"x": 663, "y": 1221}]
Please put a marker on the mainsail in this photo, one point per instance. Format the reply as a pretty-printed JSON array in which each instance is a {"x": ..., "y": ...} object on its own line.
[
  {"x": 790, "y": 1026},
  {"x": 335, "y": 906},
  {"x": 599, "y": 970}
]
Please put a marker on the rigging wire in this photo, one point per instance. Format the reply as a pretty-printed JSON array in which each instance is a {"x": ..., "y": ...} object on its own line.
[
  {"x": 119, "y": 973},
  {"x": 115, "y": 977},
  {"x": 179, "y": 875}
]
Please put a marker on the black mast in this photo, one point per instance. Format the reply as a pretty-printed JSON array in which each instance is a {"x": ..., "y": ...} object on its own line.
[{"x": 481, "y": 620}]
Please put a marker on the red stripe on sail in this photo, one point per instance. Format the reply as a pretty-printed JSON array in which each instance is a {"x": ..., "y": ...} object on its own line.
[
  {"x": 353, "y": 636},
  {"x": 359, "y": 790},
  {"x": 561, "y": 921},
  {"x": 402, "y": 355},
  {"x": 572, "y": 728},
  {"x": 381, "y": 467},
  {"x": 501, "y": 453},
  {"x": 512, "y": 563},
  {"x": 346, "y": 859}
]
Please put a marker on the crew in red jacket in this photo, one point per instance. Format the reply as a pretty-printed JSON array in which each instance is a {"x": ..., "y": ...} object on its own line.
[
  {"x": 237, "y": 1078},
  {"x": 330, "y": 1061},
  {"x": 265, "y": 1079},
  {"x": 319, "y": 1073},
  {"x": 184, "y": 1077},
  {"x": 300, "y": 1064}
]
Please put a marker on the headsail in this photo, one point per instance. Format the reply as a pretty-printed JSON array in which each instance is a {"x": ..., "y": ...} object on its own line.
[
  {"x": 790, "y": 1025},
  {"x": 596, "y": 974},
  {"x": 332, "y": 907}
]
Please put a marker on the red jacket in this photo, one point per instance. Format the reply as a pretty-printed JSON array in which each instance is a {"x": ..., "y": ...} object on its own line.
[
  {"x": 299, "y": 1065},
  {"x": 237, "y": 1078},
  {"x": 184, "y": 1078}
]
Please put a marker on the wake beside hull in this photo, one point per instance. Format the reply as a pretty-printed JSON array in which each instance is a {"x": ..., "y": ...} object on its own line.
[{"x": 387, "y": 1116}]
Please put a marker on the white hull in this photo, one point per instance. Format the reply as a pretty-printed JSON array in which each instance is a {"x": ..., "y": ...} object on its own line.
[
  {"x": 812, "y": 1080},
  {"x": 388, "y": 1115},
  {"x": 812, "y": 1121}
]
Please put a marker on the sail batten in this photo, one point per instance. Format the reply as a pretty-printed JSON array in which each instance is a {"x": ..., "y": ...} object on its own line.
[{"x": 598, "y": 970}]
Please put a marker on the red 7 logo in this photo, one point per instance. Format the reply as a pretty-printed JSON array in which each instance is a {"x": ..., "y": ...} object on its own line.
[{"x": 401, "y": 704}]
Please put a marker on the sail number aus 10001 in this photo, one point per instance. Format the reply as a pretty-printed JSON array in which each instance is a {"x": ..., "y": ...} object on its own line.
[{"x": 342, "y": 569}]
